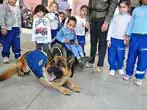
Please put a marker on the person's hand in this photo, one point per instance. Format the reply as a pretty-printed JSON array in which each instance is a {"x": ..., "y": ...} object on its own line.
[
  {"x": 87, "y": 25},
  {"x": 126, "y": 40},
  {"x": 109, "y": 43},
  {"x": 104, "y": 27},
  {"x": 67, "y": 41},
  {"x": 4, "y": 31}
]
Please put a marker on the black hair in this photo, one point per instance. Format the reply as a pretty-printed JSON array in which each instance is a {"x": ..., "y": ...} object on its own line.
[
  {"x": 61, "y": 12},
  {"x": 39, "y": 8},
  {"x": 126, "y": 2},
  {"x": 84, "y": 6},
  {"x": 72, "y": 18},
  {"x": 1, "y": 1}
]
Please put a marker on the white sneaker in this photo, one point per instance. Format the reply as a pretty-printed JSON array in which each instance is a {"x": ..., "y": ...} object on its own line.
[
  {"x": 126, "y": 77},
  {"x": 112, "y": 72},
  {"x": 5, "y": 60},
  {"x": 121, "y": 71},
  {"x": 138, "y": 82}
]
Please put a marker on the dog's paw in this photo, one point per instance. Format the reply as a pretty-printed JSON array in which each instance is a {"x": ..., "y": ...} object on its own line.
[
  {"x": 65, "y": 91},
  {"x": 75, "y": 88}
]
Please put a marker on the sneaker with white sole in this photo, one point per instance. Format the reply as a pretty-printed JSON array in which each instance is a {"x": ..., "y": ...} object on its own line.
[
  {"x": 5, "y": 60},
  {"x": 112, "y": 72},
  {"x": 121, "y": 71},
  {"x": 138, "y": 82},
  {"x": 126, "y": 77}
]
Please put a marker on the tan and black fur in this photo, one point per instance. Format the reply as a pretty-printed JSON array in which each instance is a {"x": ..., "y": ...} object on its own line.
[{"x": 21, "y": 67}]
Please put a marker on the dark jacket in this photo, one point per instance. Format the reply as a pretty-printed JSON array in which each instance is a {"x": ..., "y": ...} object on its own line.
[{"x": 102, "y": 8}]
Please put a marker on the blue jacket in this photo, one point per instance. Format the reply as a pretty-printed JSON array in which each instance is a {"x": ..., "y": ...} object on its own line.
[
  {"x": 36, "y": 61},
  {"x": 66, "y": 34},
  {"x": 138, "y": 24}
]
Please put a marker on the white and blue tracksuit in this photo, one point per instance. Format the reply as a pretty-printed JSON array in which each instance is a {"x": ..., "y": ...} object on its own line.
[
  {"x": 13, "y": 25},
  {"x": 66, "y": 34},
  {"x": 116, "y": 34},
  {"x": 80, "y": 30},
  {"x": 138, "y": 43},
  {"x": 54, "y": 23},
  {"x": 36, "y": 61},
  {"x": 12, "y": 39}
]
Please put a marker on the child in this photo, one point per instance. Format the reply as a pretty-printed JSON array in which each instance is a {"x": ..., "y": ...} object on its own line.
[
  {"x": 116, "y": 39},
  {"x": 3, "y": 30},
  {"x": 53, "y": 18},
  {"x": 41, "y": 29},
  {"x": 61, "y": 19},
  {"x": 81, "y": 25},
  {"x": 67, "y": 36},
  {"x": 13, "y": 25},
  {"x": 137, "y": 32}
]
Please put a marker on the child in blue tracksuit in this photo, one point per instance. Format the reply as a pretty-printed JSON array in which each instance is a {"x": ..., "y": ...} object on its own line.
[
  {"x": 67, "y": 36},
  {"x": 116, "y": 39},
  {"x": 138, "y": 44},
  {"x": 53, "y": 18},
  {"x": 3, "y": 31},
  {"x": 82, "y": 25},
  {"x": 13, "y": 25}
]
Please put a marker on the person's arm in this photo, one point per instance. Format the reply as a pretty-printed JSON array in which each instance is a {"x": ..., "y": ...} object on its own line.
[
  {"x": 3, "y": 21},
  {"x": 60, "y": 36},
  {"x": 33, "y": 31},
  {"x": 130, "y": 26},
  {"x": 111, "y": 9},
  {"x": 109, "y": 34},
  {"x": 111, "y": 27}
]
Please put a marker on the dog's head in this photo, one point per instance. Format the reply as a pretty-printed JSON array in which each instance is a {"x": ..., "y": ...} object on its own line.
[{"x": 59, "y": 66}]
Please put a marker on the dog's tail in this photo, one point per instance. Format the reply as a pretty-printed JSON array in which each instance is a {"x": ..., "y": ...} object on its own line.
[{"x": 7, "y": 73}]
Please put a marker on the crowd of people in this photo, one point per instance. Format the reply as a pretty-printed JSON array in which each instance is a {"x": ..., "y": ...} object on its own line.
[{"x": 127, "y": 28}]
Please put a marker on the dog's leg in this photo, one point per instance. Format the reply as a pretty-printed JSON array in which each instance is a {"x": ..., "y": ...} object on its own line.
[
  {"x": 72, "y": 86},
  {"x": 61, "y": 89}
]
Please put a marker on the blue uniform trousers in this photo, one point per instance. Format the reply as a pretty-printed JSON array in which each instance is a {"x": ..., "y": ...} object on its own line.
[
  {"x": 81, "y": 41},
  {"x": 1, "y": 38},
  {"x": 137, "y": 52},
  {"x": 54, "y": 33},
  {"x": 12, "y": 39},
  {"x": 116, "y": 54}
]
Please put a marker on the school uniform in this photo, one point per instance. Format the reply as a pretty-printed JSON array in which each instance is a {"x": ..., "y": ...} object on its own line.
[
  {"x": 13, "y": 25},
  {"x": 66, "y": 34},
  {"x": 138, "y": 43},
  {"x": 80, "y": 31},
  {"x": 54, "y": 23},
  {"x": 2, "y": 21},
  {"x": 116, "y": 35}
]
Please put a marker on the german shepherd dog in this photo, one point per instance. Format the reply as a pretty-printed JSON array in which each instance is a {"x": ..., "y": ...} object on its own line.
[{"x": 56, "y": 73}]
